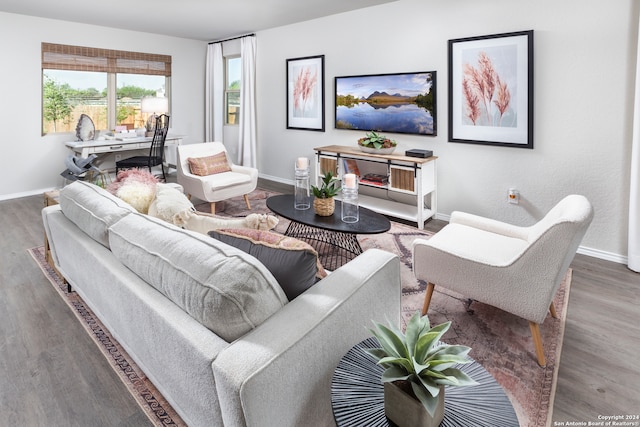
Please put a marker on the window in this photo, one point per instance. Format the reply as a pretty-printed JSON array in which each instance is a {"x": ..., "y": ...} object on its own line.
[
  {"x": 106, "y": 85},
  {"x": 232, "y": 89}
]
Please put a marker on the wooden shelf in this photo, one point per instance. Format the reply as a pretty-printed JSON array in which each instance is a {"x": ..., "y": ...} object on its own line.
[{"x": 408, "y": 176}]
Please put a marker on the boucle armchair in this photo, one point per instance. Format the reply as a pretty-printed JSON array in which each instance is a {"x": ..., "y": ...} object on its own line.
[
  {"x": 517, "y": 269},
  {"x": 223, "y": 183}
]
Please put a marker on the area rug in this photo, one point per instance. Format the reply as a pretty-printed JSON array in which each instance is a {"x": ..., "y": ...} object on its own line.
[
  {"x": 154, "y": 405},
  {"x": 501, "y": 342}
]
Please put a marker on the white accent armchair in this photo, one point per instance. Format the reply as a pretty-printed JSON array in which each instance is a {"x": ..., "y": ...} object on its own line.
[
  {"x": 241, "y": 180},
  {"x": 517, "y": 269}
]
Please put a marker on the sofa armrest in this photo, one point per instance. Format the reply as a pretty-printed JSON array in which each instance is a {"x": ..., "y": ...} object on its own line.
[
  {"x": 488, "y": 224},
  {"x": 280, "y": 373}
]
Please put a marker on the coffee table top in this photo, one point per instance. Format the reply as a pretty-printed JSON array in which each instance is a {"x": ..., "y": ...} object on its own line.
[{"x": 370, "y": 222}]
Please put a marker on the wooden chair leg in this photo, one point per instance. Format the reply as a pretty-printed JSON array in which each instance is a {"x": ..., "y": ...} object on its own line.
[
  {"x": 537, "y": 341},
  {"x": 552, "y": 309},
  {"x": 427, "y": 297},
  {"x": 213, "y": 208},
  {"x": 246, "y": 200}
]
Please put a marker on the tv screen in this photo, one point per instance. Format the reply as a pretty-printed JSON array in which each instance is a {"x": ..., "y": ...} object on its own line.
[{"x": 398, "y": 103}]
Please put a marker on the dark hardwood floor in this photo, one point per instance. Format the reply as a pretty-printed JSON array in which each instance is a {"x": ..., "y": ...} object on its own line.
[{"x": 52, "y": 374}]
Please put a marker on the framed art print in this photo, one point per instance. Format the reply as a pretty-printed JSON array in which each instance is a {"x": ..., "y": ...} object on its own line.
[
  {"x": 305, "y": 93},
  {"x": 491, "y": 90}
]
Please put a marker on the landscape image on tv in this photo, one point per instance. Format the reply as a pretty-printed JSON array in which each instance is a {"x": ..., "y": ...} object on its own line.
[{"x": 399, "y": 103}]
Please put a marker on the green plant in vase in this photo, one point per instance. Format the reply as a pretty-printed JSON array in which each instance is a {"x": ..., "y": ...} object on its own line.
[
  {"x": 373, "y": 140},
  {"x": 324, "y": 202},
  {"x": 419, "y": 364}
]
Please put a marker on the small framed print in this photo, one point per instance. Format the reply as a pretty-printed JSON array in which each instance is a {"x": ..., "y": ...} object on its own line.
[
  {"x": 305, "y": 93},
  {"x": 491, "y": 90}
]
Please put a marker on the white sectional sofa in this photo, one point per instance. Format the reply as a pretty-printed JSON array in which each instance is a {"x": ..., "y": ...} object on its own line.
[{"x": 208, "y": 323}]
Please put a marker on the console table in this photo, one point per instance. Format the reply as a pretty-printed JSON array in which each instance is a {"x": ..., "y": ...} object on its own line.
[
  {"x": 357, "y": 395},
  {"x": 408, "y": 186}
]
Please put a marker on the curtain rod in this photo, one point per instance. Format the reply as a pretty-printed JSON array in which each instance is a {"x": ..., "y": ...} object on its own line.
[{"x": 233, "y": 38}]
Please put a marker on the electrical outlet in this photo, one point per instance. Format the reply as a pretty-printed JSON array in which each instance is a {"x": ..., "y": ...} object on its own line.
[
  {"x": 513, "y": 196},
  {"x": 118, "y": 157}
]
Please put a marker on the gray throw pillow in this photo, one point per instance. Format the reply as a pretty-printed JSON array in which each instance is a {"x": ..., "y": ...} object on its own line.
[{"x": 292, "y": 262}]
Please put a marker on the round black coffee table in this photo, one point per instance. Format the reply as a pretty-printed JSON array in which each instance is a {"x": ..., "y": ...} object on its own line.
[
  {"x": 357, "y": 395},
  {"x": 334, "y": 240}
]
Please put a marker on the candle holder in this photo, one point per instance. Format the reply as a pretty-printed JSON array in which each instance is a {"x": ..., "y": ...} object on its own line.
[
  {"x": 302, "y": 195},
  {"x": 350, "y": 212}
]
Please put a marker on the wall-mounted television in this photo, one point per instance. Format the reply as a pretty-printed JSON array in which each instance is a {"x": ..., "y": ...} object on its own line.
[{"x": 398, "y": 103}]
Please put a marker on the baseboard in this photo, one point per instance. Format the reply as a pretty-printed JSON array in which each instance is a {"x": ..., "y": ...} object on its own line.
[
  {"x": 607, "y": 256},
  {"x": 25, "y": 193},
  {"x": 276, "y": 179}
]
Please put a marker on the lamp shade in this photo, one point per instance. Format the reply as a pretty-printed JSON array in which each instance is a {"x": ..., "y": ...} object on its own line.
[{"x": 154, "y": 104}]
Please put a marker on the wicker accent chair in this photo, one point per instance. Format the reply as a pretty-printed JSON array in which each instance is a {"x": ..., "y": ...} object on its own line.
[{"x": 517, "y": 269}]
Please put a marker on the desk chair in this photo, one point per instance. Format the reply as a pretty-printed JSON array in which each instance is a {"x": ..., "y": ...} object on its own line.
[
  {"x": 516, "y": 269},
  {"x": 156, "y": 151}
]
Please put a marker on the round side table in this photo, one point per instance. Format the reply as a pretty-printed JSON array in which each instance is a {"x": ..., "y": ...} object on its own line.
[{"x": 357, "y": 395}]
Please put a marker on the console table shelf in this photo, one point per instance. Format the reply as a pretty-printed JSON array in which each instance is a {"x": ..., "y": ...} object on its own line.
[{"x": 407, "y": 187}]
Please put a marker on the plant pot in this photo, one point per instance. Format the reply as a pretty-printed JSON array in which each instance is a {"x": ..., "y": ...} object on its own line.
[
  {"x": 406, "y": 411},
  {"x": 324, "y": 207}
]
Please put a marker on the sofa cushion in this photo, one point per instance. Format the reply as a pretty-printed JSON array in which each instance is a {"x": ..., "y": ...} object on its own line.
[
  {"x": 225, "y": 289},
  {"x": 293, "y": 263},
  {"x": 92, "y": 209},
  {"x": 209, "y": 165}
]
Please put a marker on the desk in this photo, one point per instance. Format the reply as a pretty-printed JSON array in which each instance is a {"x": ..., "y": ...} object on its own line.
[
  {"x": 357, "y": 395},
  {"x": 86, "y": 148}
]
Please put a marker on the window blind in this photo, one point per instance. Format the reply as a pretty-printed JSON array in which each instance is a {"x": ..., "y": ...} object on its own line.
[{"x": 78, "y": 58}]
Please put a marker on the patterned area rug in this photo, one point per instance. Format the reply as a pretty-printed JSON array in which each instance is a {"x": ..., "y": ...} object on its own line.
[{"x": 501, "y": 342}]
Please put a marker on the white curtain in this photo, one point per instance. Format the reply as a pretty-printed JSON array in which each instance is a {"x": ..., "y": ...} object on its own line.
[
  {"x": 214, "y": 97},
  {"x": 634, "y": 195},
  {"x": 247, "y": 147}
]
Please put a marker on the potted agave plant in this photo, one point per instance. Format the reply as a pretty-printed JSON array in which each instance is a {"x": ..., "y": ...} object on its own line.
[
  {"x": 324, "y": 203},
  {"x": 376, "y": 144},
  {"x": 418, "y": 366}
]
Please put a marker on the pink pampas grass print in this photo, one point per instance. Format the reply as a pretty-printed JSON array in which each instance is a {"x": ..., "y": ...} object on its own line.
[
  {"x": 303, "y": 88},
  {"x": 472, "y": 101},
  {"x": 503, "y": 98},
  {"x": 483, "y": 84}
]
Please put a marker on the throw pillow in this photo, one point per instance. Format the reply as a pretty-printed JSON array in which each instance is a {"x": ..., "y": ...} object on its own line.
[
  {"x": 136, "y": 187},
  {"x": 292, "y": 262},
  {"x": 137, "y": 194},
  {"x": 209, "y": 165},
  {"x": 169, "y": 202},
  {"x": 203, "y": 222}
]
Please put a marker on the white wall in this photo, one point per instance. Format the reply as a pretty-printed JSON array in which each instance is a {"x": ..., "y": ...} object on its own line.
[
  {"x": 584, "y": 60},
  {"x": 584, "y": 80},
  {"x": 32, "y": 162}
]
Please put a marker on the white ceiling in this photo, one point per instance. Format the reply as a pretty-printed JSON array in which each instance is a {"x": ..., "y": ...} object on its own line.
[{"x": 207, "y": 20}]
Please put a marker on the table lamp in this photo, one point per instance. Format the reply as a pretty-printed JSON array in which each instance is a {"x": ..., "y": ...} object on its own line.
[{"x": 153, "y": 105}]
